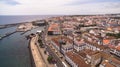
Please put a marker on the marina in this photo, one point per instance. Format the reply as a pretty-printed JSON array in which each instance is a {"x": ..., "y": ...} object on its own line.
[
  {"x": 14, "y": 48},
  {"x": 7, "y": 34},
  {"x": 14, "y": 51}
]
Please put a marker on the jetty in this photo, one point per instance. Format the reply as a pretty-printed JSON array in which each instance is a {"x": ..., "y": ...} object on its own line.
[
  {"x": 9, "y": 25},
  {"x": 7, "y": 34}
]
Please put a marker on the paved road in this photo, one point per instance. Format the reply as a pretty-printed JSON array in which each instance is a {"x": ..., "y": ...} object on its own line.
[
  {"x": 36, "y": 55},
  {"x": 59, "y": 62},
  {"x": 49, "y": 50}
]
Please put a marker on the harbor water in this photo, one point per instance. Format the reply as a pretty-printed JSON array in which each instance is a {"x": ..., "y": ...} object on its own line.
[{"x": 14, "y": 50}]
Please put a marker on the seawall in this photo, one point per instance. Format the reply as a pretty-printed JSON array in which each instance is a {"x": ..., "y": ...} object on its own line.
[
  {"x": 31, "y": 56},
  {"x": 36, "y": 58}
]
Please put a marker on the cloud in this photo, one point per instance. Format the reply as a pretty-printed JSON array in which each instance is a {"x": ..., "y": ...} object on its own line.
[
  {"x": 45, "y": 7},
  {"x": 9, "y": 2},
  {"x": 113, "y": 5},
  {"x": 79, "y": 2}
]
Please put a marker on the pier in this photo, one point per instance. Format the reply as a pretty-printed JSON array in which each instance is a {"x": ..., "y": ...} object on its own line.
[
  {"x": 7, "y": 34},
  {"x": 9, "y": 25},
  {"x": 24, "y": 32}
]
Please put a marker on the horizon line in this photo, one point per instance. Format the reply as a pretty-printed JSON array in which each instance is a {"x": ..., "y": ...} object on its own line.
[{"x": 60, "y": 14}]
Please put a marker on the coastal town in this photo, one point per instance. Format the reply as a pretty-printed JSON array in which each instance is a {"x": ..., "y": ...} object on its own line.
[
  {"x": 74, "y": 41},
  {"x": 60, "y": 33},
  {"x": 79, "y": 41}
]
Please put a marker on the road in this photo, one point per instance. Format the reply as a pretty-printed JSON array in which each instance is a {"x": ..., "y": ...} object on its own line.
[
  {"x": 59, "y": 62},
  {"x": 38, "y": 60},
  {"x": 49, "y": 50}
]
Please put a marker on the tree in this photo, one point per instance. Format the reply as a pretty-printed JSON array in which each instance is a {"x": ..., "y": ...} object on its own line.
[
  {"x": 114, "y": 35},
  {"x": 40, "y": 42},
  {"x": 50, "y": 58}
]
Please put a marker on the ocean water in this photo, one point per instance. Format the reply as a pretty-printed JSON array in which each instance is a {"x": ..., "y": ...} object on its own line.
[
  {"x": 14, "y": 50},
  {"x": 6, "y": 30},
  {"x": 22, "y": 18}
]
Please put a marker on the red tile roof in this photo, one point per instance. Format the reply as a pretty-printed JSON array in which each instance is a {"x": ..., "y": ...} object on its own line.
[
  {"x": 54, "y": 27},
  {"x": 106, "y": 41},
  {"x": 107, "y": 64},
  {"x": 118, "y": 47},
  {"x": 56, "y": 39},
  {"x": 77, "y": 59}
]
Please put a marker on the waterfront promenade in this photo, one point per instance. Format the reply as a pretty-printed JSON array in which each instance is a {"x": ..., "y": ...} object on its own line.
[{"x": 37, "y": 58}]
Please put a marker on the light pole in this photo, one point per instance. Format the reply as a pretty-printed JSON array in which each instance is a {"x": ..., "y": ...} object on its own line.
[
  {"x": 73, "y": 42},
  {"x": 60, "y": 42}
]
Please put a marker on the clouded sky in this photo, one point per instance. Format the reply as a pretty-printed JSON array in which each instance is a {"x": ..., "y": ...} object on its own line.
[{"x": 58, "y": 7}]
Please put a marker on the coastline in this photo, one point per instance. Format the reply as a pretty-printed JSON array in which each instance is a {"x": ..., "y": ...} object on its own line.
[
  {"x": 31, "y": 56},
  {"x": 35, "y": 56}
]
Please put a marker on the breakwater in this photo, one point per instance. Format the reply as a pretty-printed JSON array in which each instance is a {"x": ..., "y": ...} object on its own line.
[{"x": 7, "y": 34}]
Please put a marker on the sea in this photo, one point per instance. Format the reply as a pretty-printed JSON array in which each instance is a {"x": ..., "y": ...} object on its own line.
[
  {"x": 14, "y": 50},
  {"x": 8, "y": 19}
]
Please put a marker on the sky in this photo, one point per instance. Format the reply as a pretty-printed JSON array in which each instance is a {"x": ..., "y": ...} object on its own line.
[{"x": 58, "y": 7}]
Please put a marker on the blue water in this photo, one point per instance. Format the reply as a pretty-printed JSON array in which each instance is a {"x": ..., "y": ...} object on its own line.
[
  {"x": 6, "y": 30},
  {"x": 23, "y": 18},
  {"x": 14, "y": 50}
]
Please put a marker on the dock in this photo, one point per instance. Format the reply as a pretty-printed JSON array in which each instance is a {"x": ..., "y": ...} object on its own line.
[{"x": 7, "y": 34}]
